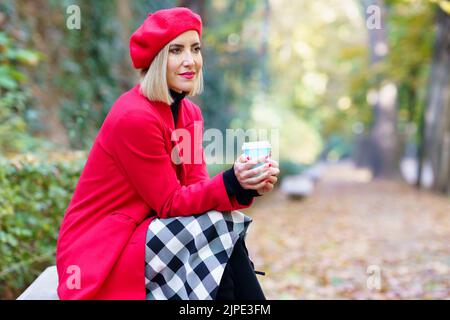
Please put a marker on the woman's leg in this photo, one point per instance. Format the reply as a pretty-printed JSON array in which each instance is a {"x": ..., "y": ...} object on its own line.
[{"x": 239, "y": 280}]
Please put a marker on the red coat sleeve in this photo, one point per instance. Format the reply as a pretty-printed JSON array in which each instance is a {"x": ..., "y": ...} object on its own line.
[
  {"x": 139, "y": 148},
  {"x": 197, "y": 171}
]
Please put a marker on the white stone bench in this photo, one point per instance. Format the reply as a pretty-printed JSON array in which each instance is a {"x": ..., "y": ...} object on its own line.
[
  {"x": 297, "y": 187},
  {"x": 315, "y": 172},
  {"x": 44, "y": 287}
]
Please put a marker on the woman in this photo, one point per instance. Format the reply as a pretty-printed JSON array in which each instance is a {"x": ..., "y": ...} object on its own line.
[{"x": 131, "y": 188}]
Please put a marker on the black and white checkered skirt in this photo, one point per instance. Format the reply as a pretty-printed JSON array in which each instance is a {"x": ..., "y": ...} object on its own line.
[{"x": 185, "y": 257}]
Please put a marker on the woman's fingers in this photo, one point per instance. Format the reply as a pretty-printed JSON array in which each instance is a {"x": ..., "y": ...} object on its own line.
[
  {"x": 269, "y": 163},
  {"x": 239, "y": 163},
  {"x": 246, "y": 174},
  {"x": 253, "y": 162},
  {"x": 255, "y": 180},
  {"x": 274, "y": 171},
  {"x": 268, "y": 178},
  {"x": 260, "y": 170},
  {"x": 272, "y": 179},
  {"x": 242, "y": 158},
  {"x": 273, "y": 163},
  {"x": 249, "y": 164},
  {"x": 260, "y": 185},
  {"x": 252, "y": 172},
  {"x": 262, "y": 177},
  {"x": 242, "y": 164},
  {"x": 267, "y": 187}
]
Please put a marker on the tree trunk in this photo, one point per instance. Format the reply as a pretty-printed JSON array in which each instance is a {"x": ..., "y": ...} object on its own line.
[
  {"x": 437, "y": 117},
  {"x": 421, "y": 148}
]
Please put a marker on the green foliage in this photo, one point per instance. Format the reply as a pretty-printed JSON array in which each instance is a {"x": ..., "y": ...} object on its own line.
[
  {"x": 337, "y": 147},
  {"x": 215, "y": 168},
  {"x": 410, "y": 36},
  {"x": 88, "y": 74},
  {"x": 229, "y": 65},
  {"x": 94, "y": 68},
  {"x": 11, "y": 57},
  {"x": 14, "y": 95},
  {"x": 34, "y": 193},
  {"x": 290, "y": 168},
  {"x": 444, "y": 4},
  {"x": 319, "y": 64}
]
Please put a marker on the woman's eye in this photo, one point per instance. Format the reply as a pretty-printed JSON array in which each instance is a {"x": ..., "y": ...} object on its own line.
[{"x": 179, "y": 50}]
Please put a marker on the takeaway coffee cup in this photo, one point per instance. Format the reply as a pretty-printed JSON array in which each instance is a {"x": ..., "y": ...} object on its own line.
[{"x": 256, "y": 149}]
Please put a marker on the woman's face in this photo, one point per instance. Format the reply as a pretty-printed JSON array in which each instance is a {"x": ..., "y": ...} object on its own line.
[{"x": 184, "y": 62}]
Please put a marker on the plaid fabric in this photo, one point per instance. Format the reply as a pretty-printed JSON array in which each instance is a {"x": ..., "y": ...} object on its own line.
[{"x": 185, "y": 256}]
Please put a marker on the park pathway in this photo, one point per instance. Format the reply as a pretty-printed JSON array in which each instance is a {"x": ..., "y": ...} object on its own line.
[{"x": 354, "y": 238}]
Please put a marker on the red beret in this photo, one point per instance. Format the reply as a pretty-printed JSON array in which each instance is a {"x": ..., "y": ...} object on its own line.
[{"x": 158, "y": 29}]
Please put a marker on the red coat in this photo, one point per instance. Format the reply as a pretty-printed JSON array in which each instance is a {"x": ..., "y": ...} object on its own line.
[{"x": 128, "y": 179}]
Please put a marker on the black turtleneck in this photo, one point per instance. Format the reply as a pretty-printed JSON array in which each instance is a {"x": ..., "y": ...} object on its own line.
[
  {"x": 232, "y": 185},
  {"x": 175, "y": 106}
]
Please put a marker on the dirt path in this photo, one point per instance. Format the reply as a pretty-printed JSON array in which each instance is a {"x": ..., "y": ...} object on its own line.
[{"x": 334, "y": 244}]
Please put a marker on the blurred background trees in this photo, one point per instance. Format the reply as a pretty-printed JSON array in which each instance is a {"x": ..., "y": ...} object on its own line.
[
  {"x": 321, "y": 73},
  {"x": 333, "y": 87},
  {"x": 436, "y": 140}
]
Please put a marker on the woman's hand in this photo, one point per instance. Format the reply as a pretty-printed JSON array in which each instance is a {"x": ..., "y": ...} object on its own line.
[
  {"x": 273, "y": 178},
  {"x": 247, "y": 178}
]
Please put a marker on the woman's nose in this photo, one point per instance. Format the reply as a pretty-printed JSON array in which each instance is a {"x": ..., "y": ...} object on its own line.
[{"x": 188, "y": 59}]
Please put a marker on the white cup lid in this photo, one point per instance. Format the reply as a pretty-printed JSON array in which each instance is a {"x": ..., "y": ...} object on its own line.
[{"x": 256, "y": 145}]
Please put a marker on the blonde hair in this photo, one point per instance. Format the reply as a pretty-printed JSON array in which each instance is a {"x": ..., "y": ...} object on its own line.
[{"x": 154, "y": 79}]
